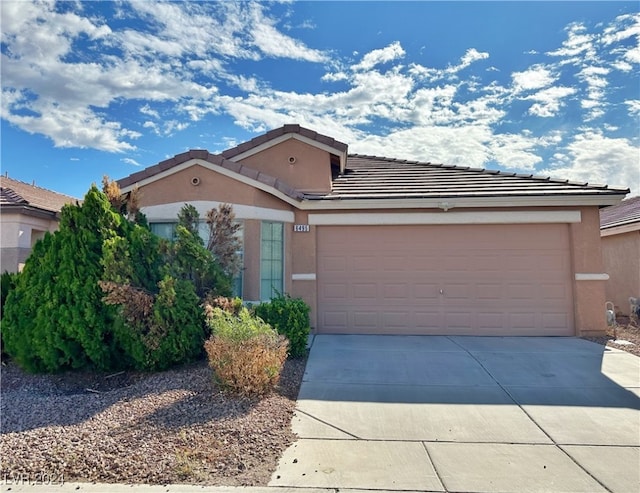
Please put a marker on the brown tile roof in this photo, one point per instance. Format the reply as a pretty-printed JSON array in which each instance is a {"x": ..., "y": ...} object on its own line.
[
  {"x": 626, "y": 212},
  {"x": 214, "y": 159},
  {"x": 370, "y": 177},
  {"x": 277, "y": 132},
  {"x": 15, "y": 192}
]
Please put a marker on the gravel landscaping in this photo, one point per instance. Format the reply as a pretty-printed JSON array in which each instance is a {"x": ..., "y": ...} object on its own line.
[
  {"x": 169, "y": 427},
  {"x": 156, "y": 428},
  {"x": 623, "y": 333}
]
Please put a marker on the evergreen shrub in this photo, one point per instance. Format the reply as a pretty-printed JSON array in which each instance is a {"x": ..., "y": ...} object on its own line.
[{"x": 290, "y": 317}]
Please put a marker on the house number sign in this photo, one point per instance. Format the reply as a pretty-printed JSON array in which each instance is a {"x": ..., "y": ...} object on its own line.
[{"x": 301, "y": 228}]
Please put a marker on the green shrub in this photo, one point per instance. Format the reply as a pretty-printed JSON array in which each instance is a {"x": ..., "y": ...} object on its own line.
[
  {"x": 245, "y": 353},
  {"x": 157, "y": 331},
  {"x": 54, "y": 318},
  {"x": 7, "y": 283},
  {"x": 290, "y": 317}
]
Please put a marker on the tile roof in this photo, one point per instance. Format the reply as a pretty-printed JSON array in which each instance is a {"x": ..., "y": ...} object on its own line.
[
  {"x": 370, "y": 177},
  {"x": 214, "y": 159},
  {"x": 286, "y": 129},
  {"x": 626, "y": 212},
  {"x": 19, "y": 193}
]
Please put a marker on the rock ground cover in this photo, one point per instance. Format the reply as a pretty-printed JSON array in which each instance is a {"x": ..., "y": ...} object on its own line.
[
  {"x": 169, "y": 427},
  {"x": 625, "y": 330}
]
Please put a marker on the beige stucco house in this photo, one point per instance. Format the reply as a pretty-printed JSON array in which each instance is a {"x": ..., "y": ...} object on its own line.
[
  {"x": 379, "y": 245},
  {"x": 620, "y": 232},
  {"x": 27, "y": 212}
]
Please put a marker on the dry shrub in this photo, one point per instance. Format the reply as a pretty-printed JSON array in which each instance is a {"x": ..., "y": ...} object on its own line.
[
  {"x": 250, "y": 367},
  {"x": 245, "y": 353}
]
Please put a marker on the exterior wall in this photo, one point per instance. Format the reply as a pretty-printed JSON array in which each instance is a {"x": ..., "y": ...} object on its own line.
[
  {"x": 621, "y": 255},
  {"x": 589, "y": 295},
  {"x": 19, "y": 233},
  {"x": 310, "y": 171},
  {"x": 303, "y": 272},
  {"x": 178, "y": 188}
]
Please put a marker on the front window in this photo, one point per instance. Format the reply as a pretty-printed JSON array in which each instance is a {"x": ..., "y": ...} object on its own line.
[
  {"x": 271, "y": 259},
  {"x": 168, "y": 231}
]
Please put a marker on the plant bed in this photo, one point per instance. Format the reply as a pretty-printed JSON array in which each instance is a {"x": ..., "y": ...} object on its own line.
[
  {"x": 157, "y": 428},
  {"x": 625, "y": 331}
]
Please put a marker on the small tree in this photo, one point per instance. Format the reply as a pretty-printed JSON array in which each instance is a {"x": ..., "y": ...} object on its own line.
[{"x": 223, "y": 240}]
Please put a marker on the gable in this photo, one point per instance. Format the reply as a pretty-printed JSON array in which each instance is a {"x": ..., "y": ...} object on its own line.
[
  {"x": 195, "y": 182},
  {"x": 304, "y": 167}
]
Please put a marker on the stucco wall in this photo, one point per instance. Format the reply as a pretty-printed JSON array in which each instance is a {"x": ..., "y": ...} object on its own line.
[
  {"x": 586, "y": 254},
  {"x": 300, "y": 165},
  {"x": 19, "y": 233},
  {"x": 621, "y": 255},
  {"x": 178, "y": 187}
]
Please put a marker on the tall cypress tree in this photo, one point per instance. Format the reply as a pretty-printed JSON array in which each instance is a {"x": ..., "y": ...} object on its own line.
[{"x": 55, "y": 318}]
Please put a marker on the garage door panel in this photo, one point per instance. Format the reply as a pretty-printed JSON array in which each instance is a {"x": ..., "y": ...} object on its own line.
[
  {"x": 495, "y": 279},
  {"x": 334, "y": 291},
  {"x": 399, "y": 291},
  {"x": 425, "y": 291},
  {"x": 396, "y": 319},
  {"x": 365, "y": 291},
  {"x": 489, "y": 291},
  {"x": 365, "y": 319},
  {"x": 428, "y": 320}
]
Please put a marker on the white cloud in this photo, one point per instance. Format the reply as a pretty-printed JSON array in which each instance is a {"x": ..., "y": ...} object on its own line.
[
  {"x": 146, "y": 110},
  {"x": 549, "y": 101},
  {"x": 578, "y": 45},
  {"x": 432, "y": 74},
  {"x": 377, "y": 57},
  {"x": 131, "y": 161},
  {"x": 46, "y": 79},
  {"x": 601, "y": 160},
  {"x": 634, "y": 106},
  {"x": 535, "y": 77},
  {"x": 272, "y": 42},
  {"x": 472, "y": 55}
]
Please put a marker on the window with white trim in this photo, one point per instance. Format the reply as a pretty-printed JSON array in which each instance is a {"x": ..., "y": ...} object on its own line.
[{"x": 271, "y": 259}]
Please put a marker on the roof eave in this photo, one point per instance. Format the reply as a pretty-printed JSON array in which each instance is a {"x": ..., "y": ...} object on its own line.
[
  {"x": 30, "y": 210},
  {"x": 464, "y": 202},
  {"x": 257, "y": 180}
]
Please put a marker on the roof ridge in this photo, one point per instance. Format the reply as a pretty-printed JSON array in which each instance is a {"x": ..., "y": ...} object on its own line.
[
  {"x": 33, "y": 185},
  {"x": 283, "y": 130}
]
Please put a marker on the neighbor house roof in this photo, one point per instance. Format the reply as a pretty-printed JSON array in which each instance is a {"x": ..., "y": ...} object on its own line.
[
  {"x": 624, "y": 213},
  {"x": 15, "y": 193},
  {"x": 379, "y": 178}
]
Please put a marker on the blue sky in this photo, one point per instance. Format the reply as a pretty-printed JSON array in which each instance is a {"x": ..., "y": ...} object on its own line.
[{"x": 94, "y": 88}]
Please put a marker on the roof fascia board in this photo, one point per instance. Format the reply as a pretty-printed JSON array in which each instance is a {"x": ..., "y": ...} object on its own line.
[
  {"x": 169, "y": 212},
  {"x": 618, "y": 230},
  {"x": 284, "y": 138},
  {"x": 30, "y": 210},
  {"x": 496, "y": 217},
  {"x": 217, "y": 169},
  {"x": 452, "y": 203}
]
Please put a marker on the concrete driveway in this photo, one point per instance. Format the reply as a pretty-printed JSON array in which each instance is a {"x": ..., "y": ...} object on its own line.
[{"x": 466, "y": 414}]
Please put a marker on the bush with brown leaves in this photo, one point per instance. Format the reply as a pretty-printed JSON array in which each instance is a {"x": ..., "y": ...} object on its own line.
[{"x": 245, "y": 353}]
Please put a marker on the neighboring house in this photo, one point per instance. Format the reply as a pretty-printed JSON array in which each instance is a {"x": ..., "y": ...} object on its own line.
[
  {"x": 378, "y": 245},
  {"x": 620, "y": 232},
  {"x": 27, "y": 212}
]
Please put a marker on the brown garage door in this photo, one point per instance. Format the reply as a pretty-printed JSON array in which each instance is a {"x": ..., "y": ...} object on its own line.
[{"x": 453, "y": 279}]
